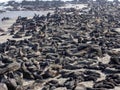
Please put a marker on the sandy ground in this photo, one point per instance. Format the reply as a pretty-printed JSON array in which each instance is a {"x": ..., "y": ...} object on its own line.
[
  {"x": 6, "y": 24},
  {"x": 76, "y": 6},
  {"x": 117, "y": 29}
]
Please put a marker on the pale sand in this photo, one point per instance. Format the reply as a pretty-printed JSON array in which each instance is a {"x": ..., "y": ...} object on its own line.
[
  {"x": 4, "y": 38},
  {"x": 76, "y": 6},
  {"x": 117, "y": 49},
  {"x": 117, "y": 30},
  {"x": 6, "y": 24},
  {"x": 105, "y": 59}
]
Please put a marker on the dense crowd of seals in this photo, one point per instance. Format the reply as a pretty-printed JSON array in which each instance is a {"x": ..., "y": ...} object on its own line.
[{"x": 64, "y": 50}]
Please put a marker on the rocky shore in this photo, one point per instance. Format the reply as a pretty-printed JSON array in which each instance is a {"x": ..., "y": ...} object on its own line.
[{"x": 67, "y": 50}]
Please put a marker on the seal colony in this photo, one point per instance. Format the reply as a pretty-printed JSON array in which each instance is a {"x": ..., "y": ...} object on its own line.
[{"x": 64, "y": 51}]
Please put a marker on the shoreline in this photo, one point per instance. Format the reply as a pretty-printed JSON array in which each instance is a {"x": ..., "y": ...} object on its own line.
[{"x": 5, "y": 25}]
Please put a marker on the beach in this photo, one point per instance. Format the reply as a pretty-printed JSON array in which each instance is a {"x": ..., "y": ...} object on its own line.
[{"x": 61, "y": 50}]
